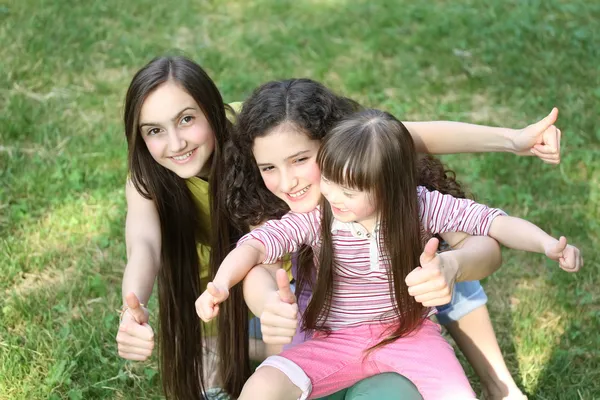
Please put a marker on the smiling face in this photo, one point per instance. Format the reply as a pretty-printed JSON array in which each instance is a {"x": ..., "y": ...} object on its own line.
[
  {"x": 350, "y": 205},
  {"x": 176, "y": 131},
  {"x": 286, "y": 159}
]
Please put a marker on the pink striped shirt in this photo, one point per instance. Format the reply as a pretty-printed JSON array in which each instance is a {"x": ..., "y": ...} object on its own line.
[{"x": 361, "y": 292}]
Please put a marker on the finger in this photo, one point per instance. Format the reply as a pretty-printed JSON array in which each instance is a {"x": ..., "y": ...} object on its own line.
[
  {"x": 429, "y": 252},
  {"x": 557, "y": 251},
  {"x": 219, "y": 294},
  {"x": 132, "y": 356},
  {"x": 277, "y": 339},
  {"x": 135, "y": 350},
  {"x": 547, "y": 121},
  {"x": 548, "y": 159},
  {"x": 432, "y": 286},
  {"x": 135, "y": 309},
  {"x": 283, "y": 285},
  {"x": 546, "y": 150},
  {"x": 421, "y": 275},
  {"x": 277, "y": 331},
  {"x": 272, "y": 320},
  {"x": 559, "y": 136},
  {"x": 143, "y": 332},
  {"x": 124, "y": 339},
  {"x": 440, "y": 297}
]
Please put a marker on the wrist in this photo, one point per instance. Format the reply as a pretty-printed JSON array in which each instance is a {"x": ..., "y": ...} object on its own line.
[
  {"x": 451, "y": 264},
  {"x": 510, "y": 140}
]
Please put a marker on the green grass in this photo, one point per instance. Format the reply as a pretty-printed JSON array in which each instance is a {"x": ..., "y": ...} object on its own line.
[{"x": 65, "y": 68}]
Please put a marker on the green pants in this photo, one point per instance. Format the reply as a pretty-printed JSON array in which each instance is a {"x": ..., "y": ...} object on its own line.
[{"x": 388, "y": 386}]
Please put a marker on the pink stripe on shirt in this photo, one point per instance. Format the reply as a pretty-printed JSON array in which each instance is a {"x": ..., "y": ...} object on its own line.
[{"x": 361, "y": 292}]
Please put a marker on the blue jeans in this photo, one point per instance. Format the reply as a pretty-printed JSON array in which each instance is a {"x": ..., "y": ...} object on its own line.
[{"x": 466, "y": 297}]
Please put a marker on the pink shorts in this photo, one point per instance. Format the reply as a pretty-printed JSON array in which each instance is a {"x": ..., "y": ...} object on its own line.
[{"x": 325, "y": 364}]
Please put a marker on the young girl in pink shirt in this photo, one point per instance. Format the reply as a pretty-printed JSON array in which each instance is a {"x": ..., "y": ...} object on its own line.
[{"x": 367, "y": 238}]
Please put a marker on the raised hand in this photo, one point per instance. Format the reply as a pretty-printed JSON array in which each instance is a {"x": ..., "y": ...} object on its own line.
[
  {"x": 279, "y": 318},
  {"x": 542, "y": 139},
  {"x": 207, "y": 305},
  {"x": 568, "y": 257},
  {"x": 431, "y": 284},
  {"x": 135, "y": 339}
]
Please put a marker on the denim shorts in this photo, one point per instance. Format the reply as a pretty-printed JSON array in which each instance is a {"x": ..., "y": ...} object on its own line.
[{"x": 466, "y": 297}]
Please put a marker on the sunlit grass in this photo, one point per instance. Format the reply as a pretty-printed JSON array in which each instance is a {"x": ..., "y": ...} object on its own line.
[{"x": 65, "y": 68}]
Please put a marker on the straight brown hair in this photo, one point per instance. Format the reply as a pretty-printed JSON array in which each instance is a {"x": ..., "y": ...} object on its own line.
[
  {"x": 179, "y": 283},
  {"x": 372, "y": 151}
]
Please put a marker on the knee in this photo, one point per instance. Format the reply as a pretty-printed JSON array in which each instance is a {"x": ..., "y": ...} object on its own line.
[{"x": 269, "y": 383}]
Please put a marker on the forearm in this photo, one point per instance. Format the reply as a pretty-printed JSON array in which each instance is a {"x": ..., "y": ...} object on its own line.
[
  {"x": 258, "y": 284},
  {"x": 140, "y": 273},
  {"x": 476, "y": 257},
  {"x": 446, "y": 137},
  {"x": 518, "y": 234},
  {"x": 238, "y": 263}
]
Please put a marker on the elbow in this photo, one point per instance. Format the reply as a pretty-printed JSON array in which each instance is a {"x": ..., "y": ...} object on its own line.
[{"x": 495, "y": 256}]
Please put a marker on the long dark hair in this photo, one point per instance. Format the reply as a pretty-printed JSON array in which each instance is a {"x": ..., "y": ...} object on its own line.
[
  {"x": 306, "y": 106},
  {"x": 372, "y": 151},
  {"x": 179, "y": 284}
]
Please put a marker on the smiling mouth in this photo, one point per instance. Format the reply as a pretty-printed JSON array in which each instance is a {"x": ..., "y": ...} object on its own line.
[
  {"x": 340, "y": 209},
  {"x": 183, "y": 157},
  {"x": 298, "y": 193}
]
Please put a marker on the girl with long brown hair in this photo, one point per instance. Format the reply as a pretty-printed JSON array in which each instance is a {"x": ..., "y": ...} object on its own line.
[{"x": 367, "y": 238}]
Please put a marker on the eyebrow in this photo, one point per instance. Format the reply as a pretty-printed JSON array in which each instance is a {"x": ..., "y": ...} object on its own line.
[
  {"x": 176, "y": 117},
  {"x": 287, "y": 158}
]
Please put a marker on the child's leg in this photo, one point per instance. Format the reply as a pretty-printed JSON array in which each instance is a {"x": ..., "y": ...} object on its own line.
[
  {"x": 428, "y": 360},
  {"x": 475, "y": 337},
  {"x": 468, "y": 322},
  {"x": 269, "y": 383}
]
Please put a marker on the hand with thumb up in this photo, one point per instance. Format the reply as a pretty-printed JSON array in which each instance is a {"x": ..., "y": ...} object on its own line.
[
  {"x": 569, "y": 257},
  {"x": 279, "y": 318},
  {"x": 135, "y": 339},
  {"x": 541, "y": 139},
  {"x": 431, "y": 284},
  {"x": 207, "y": 305}
]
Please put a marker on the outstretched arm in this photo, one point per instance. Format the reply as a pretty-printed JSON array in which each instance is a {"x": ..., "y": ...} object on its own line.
[
  {"x": 519, "y": 234},
  {"x": 541, "y": 139},
  {"x": 233, "y": 269}
]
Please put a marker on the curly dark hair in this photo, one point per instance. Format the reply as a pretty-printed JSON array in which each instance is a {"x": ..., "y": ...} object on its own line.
[{"x": 306, "y": 105}]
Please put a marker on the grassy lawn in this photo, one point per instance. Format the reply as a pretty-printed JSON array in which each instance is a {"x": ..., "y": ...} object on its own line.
[{"x": 66, "y": 65}]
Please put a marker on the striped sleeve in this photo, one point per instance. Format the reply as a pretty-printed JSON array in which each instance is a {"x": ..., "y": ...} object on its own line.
[
  {"x": 286, "y": 235},
  {"x": 444, "y": 213}
]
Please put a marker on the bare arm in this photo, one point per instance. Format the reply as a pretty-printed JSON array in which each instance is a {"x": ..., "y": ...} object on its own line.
[
  {"x": 541, "y": 139},
  {"x": 519, "y": 234},
  {"x": 143, "y": 240},
  {"x": 259, "y": 285},
  {"x": 238, "y": 263},
  {"x": 473, "y": 257}
]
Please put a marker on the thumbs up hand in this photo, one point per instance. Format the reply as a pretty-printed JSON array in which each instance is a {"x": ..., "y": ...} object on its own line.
[
  {"x": 432, "y": 283},
  {"x": 569, "y": 257},
  {"x": 135, "y": 339},
  {"x": 279, "y": 318},
  {"x": 542, "y": 139},
  {"x": 207, "y": 305}
]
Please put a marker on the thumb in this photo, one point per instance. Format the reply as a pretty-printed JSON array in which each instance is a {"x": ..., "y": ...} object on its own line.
[
  {"x": 556, "y": 251},
  {"x": 283, "y": 285},
  {"x": 548, "y": 121},
  {"x": 429, "y": 252},
  {"x": 135, "y": 308},
  {"x": 219, "y": 295}
]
